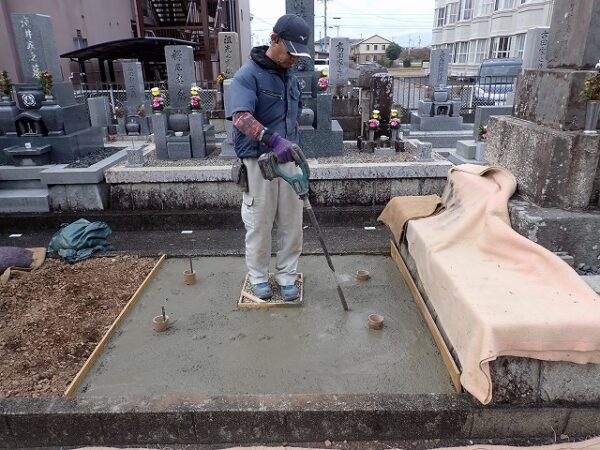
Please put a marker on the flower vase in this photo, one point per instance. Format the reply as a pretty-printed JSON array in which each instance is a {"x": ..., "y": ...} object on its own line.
[
  {"x": 371, "y": 134},
  {"x": 52, "y": 116},
  {"x": 592, "y": 113}
]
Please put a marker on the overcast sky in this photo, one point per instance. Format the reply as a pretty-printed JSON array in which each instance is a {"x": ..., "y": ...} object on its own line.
[{"x": 397, "y": 20}]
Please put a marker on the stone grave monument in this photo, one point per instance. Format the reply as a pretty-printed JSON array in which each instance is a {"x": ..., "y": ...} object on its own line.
[
  {"x": 345, "y": 101},
  {"x": 438, "y": 118},
  {"x": 135, "y": 122},
  {"x": 41, "y": 126},
  {"x": 320, "y": 134},
  {"x": 544, "y": 145},
  {"x": 230, "y": 61},
  {"x": 179, "y": 133}
]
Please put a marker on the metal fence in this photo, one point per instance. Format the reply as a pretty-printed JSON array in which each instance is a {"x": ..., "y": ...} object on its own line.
[
  {"x": 117, "y": 95},
  {"x": 472, "y": 91}
]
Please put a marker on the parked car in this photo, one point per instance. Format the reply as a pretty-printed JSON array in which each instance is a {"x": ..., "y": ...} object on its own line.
[
  {"x": 321, "y": 64},
  {"x": 497, "y": 78}
]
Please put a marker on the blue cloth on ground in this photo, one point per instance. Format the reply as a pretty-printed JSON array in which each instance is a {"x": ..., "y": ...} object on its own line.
[{"x": 78, "y": 240}]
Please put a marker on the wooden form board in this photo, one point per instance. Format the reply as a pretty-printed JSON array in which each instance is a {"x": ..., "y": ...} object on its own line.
[
  {"x": 249, "y": 301},
  {"x": 115, "y": 325},
  {"x": 435, "y": 332}
]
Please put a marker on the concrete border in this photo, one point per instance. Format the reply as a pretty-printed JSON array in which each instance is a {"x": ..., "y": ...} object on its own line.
[
  {"x": 179, "y": 174},
  {"x": 294, "y": 418},
  {"x": 84, "y": 175}
]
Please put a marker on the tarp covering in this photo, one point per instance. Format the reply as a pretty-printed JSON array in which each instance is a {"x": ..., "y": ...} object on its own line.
[
  {"x": 80, "y": 239},
  {"x": 496, "y": 293}
]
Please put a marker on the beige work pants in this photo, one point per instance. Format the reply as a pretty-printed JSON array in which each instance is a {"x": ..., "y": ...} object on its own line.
[{"x": 266, "y": 203}]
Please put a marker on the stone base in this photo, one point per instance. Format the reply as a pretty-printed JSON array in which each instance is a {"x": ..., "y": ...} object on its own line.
[
  {"x": 437, "y": 123},
  {"x": 65, "y": 148},
  {"x": 441, "y": 139},
  {"x": 553, "y": 168},
  {"x": 322, "y": 143},
  {"x": 574, "y": 232},
  {"x": 466, "y": 149},
  {"x": 457, "y": 159},
  {"x": 34, "y": 156},
  {"x": 179, "y": 148},
  {"x": 420, "y": 150},
  {"x": 78, "y": 197},
  {"x": 385, "y": 151}
]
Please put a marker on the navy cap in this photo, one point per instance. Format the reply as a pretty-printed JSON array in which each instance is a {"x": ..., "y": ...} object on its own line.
[{"x": 295, "y": 33}]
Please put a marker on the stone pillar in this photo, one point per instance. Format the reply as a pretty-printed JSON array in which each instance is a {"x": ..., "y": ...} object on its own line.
[
  {"x": 554, "y": 162},
  {"x": 181, "y": 75},
  {"x": 306, "y": 10},
  {"x": 229, "y": 53},
  {"x": 159, "y": 127},
  {"x": 227, "y": 147}
]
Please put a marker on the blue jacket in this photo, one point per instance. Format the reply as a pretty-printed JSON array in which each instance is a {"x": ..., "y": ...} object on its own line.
[{"x": 271, "y": 95}]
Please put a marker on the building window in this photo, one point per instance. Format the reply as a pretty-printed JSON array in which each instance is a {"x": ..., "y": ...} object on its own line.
[
  {"x": 519, "y": 45},
  {"x": 440, "y": 15},
  {"x": 500, "y": 47},
  {"x": 375, "y": 47},
  {"x": 368, "y": 47},
  {"x": 467, "y": 12},
  {"x": 462, "y": 52},
  {"x": 484, "y": 8},
  {"x": 383, "y": 47},
  {"x": 451, "y": 12},
  {"x": 452, "y": 52},
  {"x": 504, "y": 4},
  {"x": 480, "y": 49}
]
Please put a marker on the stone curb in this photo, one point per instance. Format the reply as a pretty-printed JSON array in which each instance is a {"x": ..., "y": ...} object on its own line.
[
  {"x": 432, "y": 169},
  {"x": 88, "y": 175},
  {"x": 280, "y": 418}
]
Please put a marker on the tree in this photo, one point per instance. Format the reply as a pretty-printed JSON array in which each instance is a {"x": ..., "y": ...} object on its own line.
[{"x": 392, "y": 52}]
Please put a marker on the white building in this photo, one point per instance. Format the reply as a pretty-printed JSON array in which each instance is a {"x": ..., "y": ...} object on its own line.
[
  {"x": 369, "y": 50},
  {"x": 475, "y": 30}
]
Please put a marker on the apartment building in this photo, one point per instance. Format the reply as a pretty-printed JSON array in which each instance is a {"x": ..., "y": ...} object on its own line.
[{"x": 475, "y": 30}]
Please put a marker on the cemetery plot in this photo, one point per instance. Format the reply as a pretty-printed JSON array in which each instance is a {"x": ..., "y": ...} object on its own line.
[{"x": 52, "y": 319}]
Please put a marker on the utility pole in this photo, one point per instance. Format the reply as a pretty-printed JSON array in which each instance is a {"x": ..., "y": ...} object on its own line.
[{"x": 325, "y": 26}]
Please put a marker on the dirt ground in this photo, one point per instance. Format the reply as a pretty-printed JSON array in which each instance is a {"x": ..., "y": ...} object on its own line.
[{"x": 52, "y": 319}]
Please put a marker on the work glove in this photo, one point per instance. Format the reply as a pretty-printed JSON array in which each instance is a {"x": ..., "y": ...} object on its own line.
[{"x": 282, "y": 148}]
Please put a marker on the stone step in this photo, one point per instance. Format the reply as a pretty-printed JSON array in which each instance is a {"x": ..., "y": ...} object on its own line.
[
  {"x": 24, "y": 200},
  {"x": 466, "y": 149}
]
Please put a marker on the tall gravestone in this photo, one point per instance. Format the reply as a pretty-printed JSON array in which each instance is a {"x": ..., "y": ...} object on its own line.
[
  {"x": 181, "y": 74},
  {"x": 230, "y": 62},
  {"x": 438, "y": 67},
  {"x": 536, "y": 47},
  {"x": 34, "y": 38},
  {"x": 229, "y": 53},
  {"x": 306, "y": 10},
  {"x": 135, "y": 98},
  {"x": 134, "y": 86},
  {"x": 339, "y": 65},
  {"x": 555, "y": 163}
]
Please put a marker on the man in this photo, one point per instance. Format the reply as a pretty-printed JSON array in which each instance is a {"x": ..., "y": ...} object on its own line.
[{"x": 265, "y": 106}]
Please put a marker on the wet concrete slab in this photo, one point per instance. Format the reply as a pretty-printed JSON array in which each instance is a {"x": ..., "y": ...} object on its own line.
[{"x": 215, "y": 349}]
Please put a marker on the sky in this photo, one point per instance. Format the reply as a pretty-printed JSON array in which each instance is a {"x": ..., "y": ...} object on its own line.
[{"x": 406, "y": 22}]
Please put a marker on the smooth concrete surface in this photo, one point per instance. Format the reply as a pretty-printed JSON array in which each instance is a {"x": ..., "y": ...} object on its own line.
[{"x": 215, "y": 349}]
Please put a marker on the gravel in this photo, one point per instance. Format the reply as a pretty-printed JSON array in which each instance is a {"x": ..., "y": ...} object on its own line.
[
  {"x": 351, "y": 155},
  {"x": 92, "y": 158}
]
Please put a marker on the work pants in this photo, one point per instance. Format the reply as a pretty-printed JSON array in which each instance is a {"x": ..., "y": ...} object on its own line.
[{"x": 266, "y": 203}]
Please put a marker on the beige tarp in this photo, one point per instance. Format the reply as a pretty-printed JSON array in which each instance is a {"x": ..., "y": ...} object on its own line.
[{"x": 496, "y": 292}]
